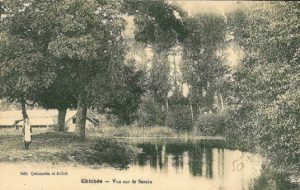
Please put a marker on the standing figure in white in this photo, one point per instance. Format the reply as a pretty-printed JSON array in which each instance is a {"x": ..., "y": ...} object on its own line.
[{"x": 27, "y": 130}]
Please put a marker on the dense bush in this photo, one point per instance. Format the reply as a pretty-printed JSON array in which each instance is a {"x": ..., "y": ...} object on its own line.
[
  {"x": 274, "y": 181},
  {"x": 151, "y": 113},
  {"x": 179, "y": 118},
  {"x": 211, "y": 124},
  {"x": 105, "y": 151}
]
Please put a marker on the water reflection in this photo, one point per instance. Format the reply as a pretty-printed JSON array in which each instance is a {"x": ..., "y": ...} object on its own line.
[
  {"x": 209, "y": 166},
  {"x": 199, "y": 158}
]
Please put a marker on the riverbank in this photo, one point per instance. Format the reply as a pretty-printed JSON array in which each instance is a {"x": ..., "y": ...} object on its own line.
[
  {"x": 107, "y": 146},
  {"x": 163, "y": 134},
  {"x": 54, "y": 147},
  {"x": 104, "y": 146},
  {"x": 149, "y": 132}
]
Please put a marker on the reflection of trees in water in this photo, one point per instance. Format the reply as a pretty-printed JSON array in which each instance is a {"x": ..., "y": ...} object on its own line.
[
  {"x": 147, "y": 155},
  {"x": 176, "y": 150},
  {"x": 200, "y": 157},
  {"x": 208, "y": 162},
  {"x": 177, "y": 161},
  {"x": 195, "y": 160},
  {"x": 200, "y": 160},
  {"x": 142, "y": 159},
  {"x": 152, "y": 153},
  {"x": 220, "y": 162},
  {"x": 153, "y": 156}
]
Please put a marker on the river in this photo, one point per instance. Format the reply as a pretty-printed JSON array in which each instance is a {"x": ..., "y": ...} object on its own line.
[{"x": 161, "y": 165}]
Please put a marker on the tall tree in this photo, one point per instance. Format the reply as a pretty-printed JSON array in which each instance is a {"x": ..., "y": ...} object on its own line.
[
  {"x": 90, "y": 42},
  {"x": 119, "y": 93},
  {"x": 58, "y": 95},
  {"x": 266, "y": 85},
  {"x": 159, "y": 84},
  {"x": 159, "y": 25},
  {"x": 202, "y": 66},
  {"x": 157, "y": 22},
  {"x": 25, "y": 69},
  {"x": 81, "y": 38}
]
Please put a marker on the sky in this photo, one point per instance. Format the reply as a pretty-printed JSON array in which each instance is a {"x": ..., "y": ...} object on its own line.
[{"x": 193, "y": 7}]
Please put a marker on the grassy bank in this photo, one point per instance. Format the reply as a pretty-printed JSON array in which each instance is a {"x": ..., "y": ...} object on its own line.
[
  {"x": 56, "y": 147},
  {"x": 148, "y": 132}
]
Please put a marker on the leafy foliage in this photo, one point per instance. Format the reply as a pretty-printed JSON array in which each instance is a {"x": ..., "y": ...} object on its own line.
[
  {"x": 159, "y": 83},
  {"x": 202, "y": 66},
  {"x": 156, "y": 22},
  {"x": 266, "y": 86},
  {"x": 53, "y": 50},
  {"x": 114, "y": 153},
  {"x": 212, "y": 124},
  {"x": 120, "y": 96},
  {"x": 151, "y": 113}
]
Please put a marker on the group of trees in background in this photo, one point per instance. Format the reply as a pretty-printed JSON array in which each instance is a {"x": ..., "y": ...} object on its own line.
[{"x": 73, "y": 54}]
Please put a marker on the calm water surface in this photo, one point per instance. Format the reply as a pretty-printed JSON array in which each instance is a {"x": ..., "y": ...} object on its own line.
[
  {"x": 195, "y": 165},
  {"x": 161, "y": 165}
]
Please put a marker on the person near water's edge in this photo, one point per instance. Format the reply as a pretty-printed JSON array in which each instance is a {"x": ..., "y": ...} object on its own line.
[{"x": 27, "y": 130}]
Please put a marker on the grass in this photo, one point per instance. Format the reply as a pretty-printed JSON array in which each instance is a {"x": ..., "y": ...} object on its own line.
[
  {"x": 101, "y": 147},
  {"x": 134, "y": 131},
  {"x": 57, "y": 147},
  {"x": 146, "y": 132}
]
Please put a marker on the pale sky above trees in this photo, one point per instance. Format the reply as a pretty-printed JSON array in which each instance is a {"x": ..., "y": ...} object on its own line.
[{"x": 221, "y": 7}]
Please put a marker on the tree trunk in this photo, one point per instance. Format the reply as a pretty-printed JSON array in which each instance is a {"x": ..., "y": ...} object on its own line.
[
  {"x": 194, "y": 127},
  {"x": 167, "y": 111},
  {"x": 192, "y": 111},
  {"x": 24, "y": 113},
  {"x": 175, "y": 70},
  {"x": 222, "y": 103},
  {"x": 61, "y": 119},
  {"x": 81, "y": 117},
  {"x": 191, "y": 106}
]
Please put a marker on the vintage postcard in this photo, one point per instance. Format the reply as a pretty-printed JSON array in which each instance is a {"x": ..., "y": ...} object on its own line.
[{"x": 149, "y": 95}]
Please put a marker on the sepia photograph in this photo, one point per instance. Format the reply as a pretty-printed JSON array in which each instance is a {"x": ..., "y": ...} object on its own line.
[{"x": 149, "y": 95}]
